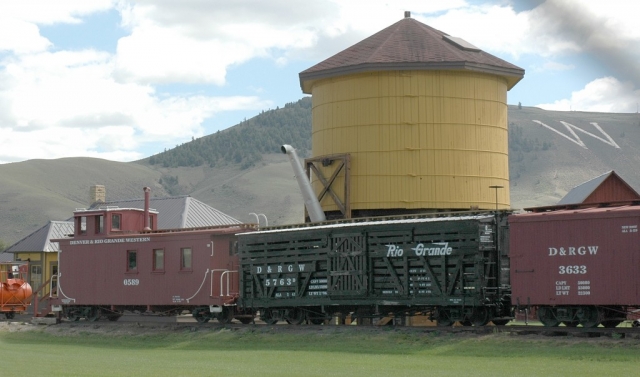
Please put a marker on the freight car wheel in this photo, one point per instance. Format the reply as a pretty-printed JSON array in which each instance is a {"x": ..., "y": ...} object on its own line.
[
  {"x": 316, "y": 321},
  {"x": 226, "y": 316},
  {"x": 201, "y": 314},
  {"x": 294, "y": 317},
  {"x": 570, "y": 323},
  {"x": 267, "y": 317},
  {"x": 114, "y": 317},
  {"x": 10, "y": 315},
  {"x": 94, "y": 314},
  {"x": 245, "y": 320},
  {"x": 500, "y": 322},
  {"x": 547, "y": 317},
  {"x": 479, "y": 316},
  {"x": 443, "y": 318},
  {"x": 589, "y": 316}
]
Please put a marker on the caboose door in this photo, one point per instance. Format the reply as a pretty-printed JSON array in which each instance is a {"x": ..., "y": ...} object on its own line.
[{"x": 347, "y": 269}]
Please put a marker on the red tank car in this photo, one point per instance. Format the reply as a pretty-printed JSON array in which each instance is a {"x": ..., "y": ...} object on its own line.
[
  {"x": 111, "y": 264},
  {"x": 15, "y": 291},
  {"x": 577, "y": 266}
]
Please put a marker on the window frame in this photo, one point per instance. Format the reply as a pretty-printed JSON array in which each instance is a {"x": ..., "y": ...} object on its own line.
[
  {"x": 117, "y": 216},
  {"x": 99, "y": 224},
  {"x": 154, "y": 255},
  {"x": 133, "y": 270},
  {"x": 183, "y": 267}
]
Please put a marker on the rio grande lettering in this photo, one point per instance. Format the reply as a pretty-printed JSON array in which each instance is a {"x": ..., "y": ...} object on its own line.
[
  {"x": 573, "y": 251},
  {"x": 435, "y": 249}
]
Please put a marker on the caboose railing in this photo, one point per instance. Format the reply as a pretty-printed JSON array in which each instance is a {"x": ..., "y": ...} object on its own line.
[
  {"x": 52, "y": 294},
  {"x": 225, "y": 281}
]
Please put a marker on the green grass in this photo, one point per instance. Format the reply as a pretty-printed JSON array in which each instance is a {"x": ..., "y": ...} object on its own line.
[{"x": 269, "y": 353}]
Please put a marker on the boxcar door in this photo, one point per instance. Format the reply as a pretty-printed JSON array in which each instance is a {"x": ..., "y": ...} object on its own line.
[{"x": 348, "y": 266}]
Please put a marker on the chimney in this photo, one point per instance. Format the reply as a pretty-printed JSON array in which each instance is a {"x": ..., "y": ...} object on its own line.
[
  {"x": 407, "y": 14},
  {"x": 147, "y": 190},
  {"x": 97, "y": 193}
]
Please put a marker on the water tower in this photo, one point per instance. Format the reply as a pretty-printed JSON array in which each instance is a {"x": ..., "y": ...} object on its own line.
[{"x": 408, "y": 120}]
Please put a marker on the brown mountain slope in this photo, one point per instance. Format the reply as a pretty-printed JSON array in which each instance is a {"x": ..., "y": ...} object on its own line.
[{"x": 547, "y": 159}]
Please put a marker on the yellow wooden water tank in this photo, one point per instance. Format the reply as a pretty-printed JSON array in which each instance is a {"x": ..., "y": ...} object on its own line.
[
  {"x": 417, "y": 139},
  {"x": 423, "y": 117}
]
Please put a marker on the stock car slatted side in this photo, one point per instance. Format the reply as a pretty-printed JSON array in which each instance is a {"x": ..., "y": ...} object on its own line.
[
  {"x": 402, "y": 266},
  {"x": 283, "y": 266}
]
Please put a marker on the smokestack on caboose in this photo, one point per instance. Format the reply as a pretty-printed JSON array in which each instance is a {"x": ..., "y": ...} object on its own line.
[{"x": 420, "y": 116}]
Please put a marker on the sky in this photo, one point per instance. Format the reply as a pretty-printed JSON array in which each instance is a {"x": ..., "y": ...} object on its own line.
[{"x": 125, "y": 79}]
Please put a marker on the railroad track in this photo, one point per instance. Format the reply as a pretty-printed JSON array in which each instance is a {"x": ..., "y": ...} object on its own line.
[{"x": 142, "y": 323}]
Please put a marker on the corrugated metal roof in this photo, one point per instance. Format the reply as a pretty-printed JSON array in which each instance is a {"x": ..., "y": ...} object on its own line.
[
  {"x": 178, "y": 212},
  {"x": 39, "y": 240},
  {"x": 409, "y": 45},
  {"x": 579, "y": 193}
]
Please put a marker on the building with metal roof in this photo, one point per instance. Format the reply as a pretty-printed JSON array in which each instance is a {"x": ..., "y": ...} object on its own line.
[{"x": 606, "y": 188}]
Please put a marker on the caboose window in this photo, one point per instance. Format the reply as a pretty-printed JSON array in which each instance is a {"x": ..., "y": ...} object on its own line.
[
  {"x": 185, "y": 258},
  {"x": 99, "y": 224},
  {"x": 132, "y": 260},
  {"x": 158, "y": 259},
  {"x": 81, "y": 225},
  {"x": 115, "y": 222}
]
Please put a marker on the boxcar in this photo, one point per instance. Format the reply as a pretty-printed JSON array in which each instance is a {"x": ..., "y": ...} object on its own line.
[
  {"x": 452, "y": 268},
  {"x": 577, "y": 266}
]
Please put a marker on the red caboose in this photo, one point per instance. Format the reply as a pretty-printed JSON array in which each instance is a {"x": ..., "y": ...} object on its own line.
[
  {"x": 117, "y": 261},
  {"x": 578, "y": 266}
]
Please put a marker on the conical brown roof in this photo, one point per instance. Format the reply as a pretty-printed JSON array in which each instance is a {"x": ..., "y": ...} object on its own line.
[{"x": 410, "y": 45}]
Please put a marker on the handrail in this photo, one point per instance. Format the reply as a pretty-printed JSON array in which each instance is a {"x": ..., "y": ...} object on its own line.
[{"x": 224, "y": 273}]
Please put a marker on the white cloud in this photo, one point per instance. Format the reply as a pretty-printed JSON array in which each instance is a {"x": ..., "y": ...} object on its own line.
[
  {"x": 605, "y": 94},
  {"x": 19, "y": 20},
  {"x": 47, "y": 95}
]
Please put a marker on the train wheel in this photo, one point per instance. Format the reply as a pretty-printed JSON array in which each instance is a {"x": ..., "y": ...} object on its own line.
[
  {"x": 589, "y": 316},
  {"x": 267, "y": 317},
  {"x": 316, "y": 321},
  {"x": 479, "y": 316},
  {"x": 201, "y": 315},
  {"x": 114, "y": 317},
  {"x": 10, "y": 315},
  {"x": 245, "y": 320},
  {"x": 226, "y": 316},
  {"x": 466, "y": 322},
  {"x": 570, "y": 323},
  {"x": 500, "y": 322},
  {"x": 547, "y": 317},
  {"x": 73, "y": 317},
  {"x": 443, "y": 318},
  {"x": 94, "y": 314},
  {"x": 295, "y": 317}
]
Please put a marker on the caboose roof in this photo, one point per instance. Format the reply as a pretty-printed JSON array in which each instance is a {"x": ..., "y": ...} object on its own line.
[
  {"x": 177, "y": 212},
  {"x": 410, "y": 45}
]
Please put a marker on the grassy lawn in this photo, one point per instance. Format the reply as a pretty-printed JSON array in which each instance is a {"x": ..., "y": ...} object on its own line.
[{"x": 333, "y": 353}]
